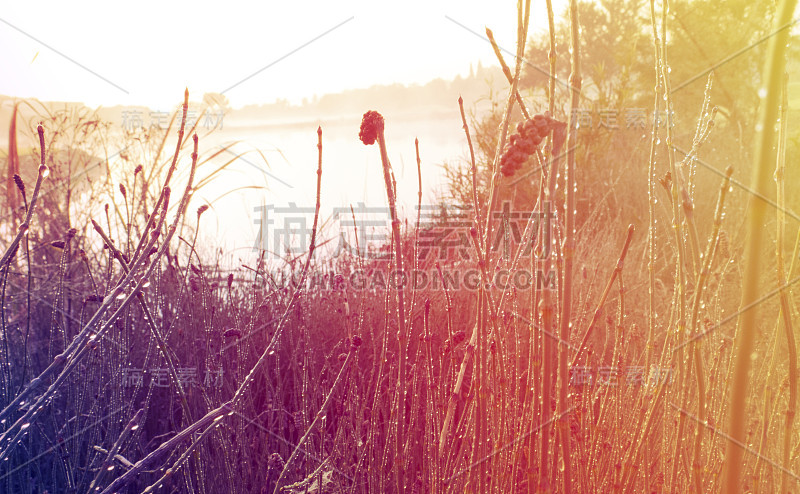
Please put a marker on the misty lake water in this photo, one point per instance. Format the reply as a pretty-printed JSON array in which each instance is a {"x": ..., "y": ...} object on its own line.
[{"x": 351, "y": 176}]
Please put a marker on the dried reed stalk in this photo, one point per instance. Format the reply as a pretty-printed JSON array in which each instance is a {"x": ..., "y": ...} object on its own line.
[
  {"x": 785, "y": 310},
  {"x": 569, "y": 243},
  {"x": 702, "y": 280},
  {"x": 372, "y": 129},
  {"x": 764, "y": 155}
]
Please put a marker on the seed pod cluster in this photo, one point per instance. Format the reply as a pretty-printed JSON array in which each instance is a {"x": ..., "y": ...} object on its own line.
[
  {"x": 527, "y": 138},
  {"x": 371, "y": 127}
]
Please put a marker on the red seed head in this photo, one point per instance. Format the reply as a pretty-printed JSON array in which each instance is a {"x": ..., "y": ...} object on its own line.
[
  {"x": 20, "y": 183},
  {"x": 371, "y": 127}
]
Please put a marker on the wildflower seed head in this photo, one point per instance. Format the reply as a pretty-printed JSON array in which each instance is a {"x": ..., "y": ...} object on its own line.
[
  {"x": 232, "y": 332},
  {"x": 137, "y": 170},
  {"x": 275, "y": 462},
  {"x": 526, "y": 140},
  {"x": 20, "y": 183},
  {"x": 123, "y": 191},
  {"x": 202, "y": 209},
  {"x": 371, "y": 127}
]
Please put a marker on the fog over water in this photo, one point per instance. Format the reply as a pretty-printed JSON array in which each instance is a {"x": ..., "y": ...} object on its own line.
[{"x": 351, "y": 173}]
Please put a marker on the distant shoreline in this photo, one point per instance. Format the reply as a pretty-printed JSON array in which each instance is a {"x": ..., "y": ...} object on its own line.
[{"x": 437, "y": 99}]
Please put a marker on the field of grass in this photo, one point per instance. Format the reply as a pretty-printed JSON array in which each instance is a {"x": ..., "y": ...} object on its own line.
[{"x": 601, "y": 313}]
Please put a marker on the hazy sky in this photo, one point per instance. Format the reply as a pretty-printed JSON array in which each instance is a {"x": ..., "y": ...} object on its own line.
[{"x": 146, "y": 52}]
